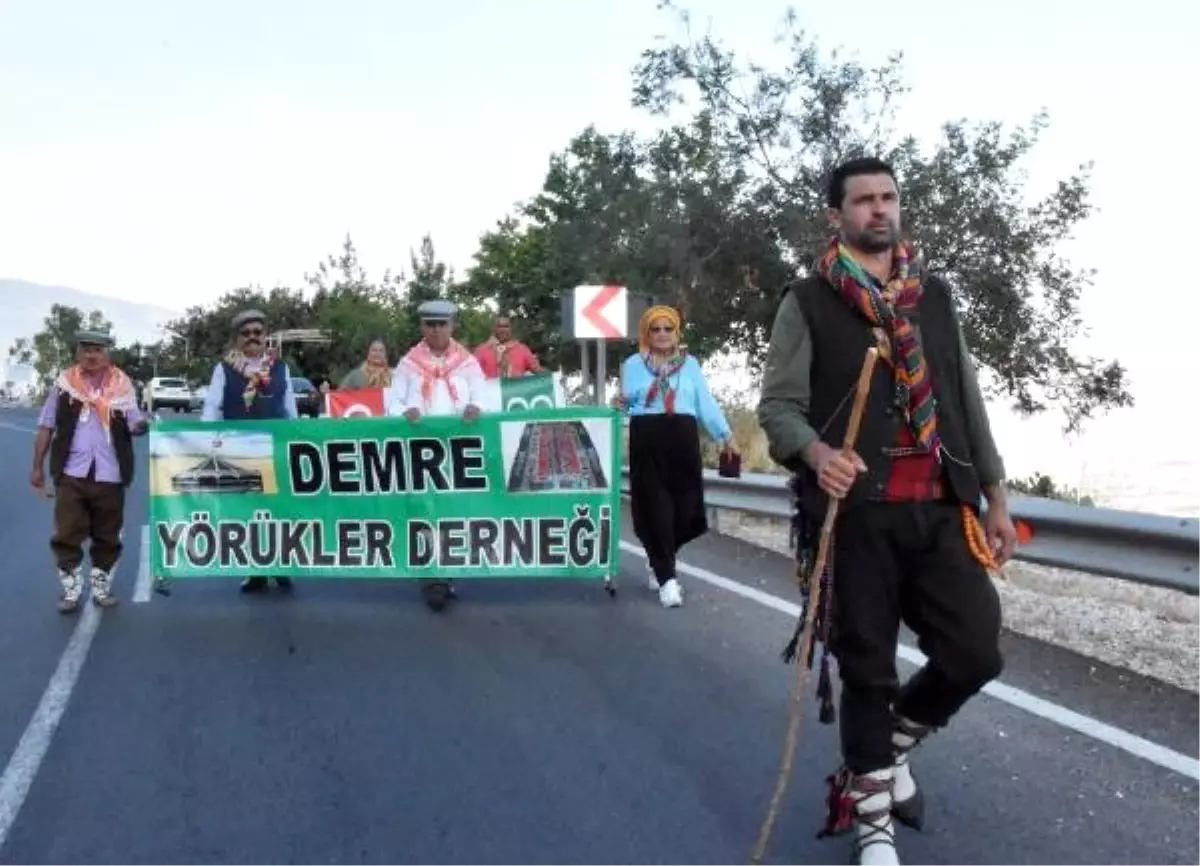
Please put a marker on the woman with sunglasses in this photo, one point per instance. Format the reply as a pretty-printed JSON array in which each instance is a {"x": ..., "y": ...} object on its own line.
[{"x": 667, "y": 397}]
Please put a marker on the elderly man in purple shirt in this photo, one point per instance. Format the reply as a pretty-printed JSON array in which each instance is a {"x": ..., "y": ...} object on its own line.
[{"x": 86, "y": 428}]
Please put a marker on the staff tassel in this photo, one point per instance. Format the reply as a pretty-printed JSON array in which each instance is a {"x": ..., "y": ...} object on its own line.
[{"x": 804, "y": 638}]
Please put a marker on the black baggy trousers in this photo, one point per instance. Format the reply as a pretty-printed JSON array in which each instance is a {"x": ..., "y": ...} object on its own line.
[{"x": 907, "y": 561}]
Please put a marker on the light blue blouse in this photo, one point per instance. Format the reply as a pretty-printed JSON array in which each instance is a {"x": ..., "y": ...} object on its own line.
[{"x": 692, "y": 395}]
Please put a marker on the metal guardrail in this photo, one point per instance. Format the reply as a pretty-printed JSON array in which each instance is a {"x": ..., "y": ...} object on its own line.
[{"x": 1149, "y": 549}]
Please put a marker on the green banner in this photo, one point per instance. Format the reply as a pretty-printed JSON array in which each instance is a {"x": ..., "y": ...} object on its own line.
[
  {"x": 526, "y": 393},
  {"x": 532, "y": 493}
]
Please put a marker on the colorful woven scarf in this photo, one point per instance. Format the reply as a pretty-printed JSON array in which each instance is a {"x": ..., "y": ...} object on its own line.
[
  {"x": 256, "y": 372},
  {"x": 663, "y": 371},
  {"x": 114, "y": 394},
  {"x": 889, "y": 311},
  {"x": 433, "y": 368}
]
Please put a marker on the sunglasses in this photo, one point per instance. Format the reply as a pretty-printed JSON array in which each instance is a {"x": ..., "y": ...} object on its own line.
[
  {"x": 437, "y": 323},
  {"x": 251, "y": 332},
  {"x": 662, "y": 329}
]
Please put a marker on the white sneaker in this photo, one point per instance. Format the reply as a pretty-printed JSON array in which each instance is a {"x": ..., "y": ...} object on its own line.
[
  {"x": 670, "y": 594},
  {"x": 651, "y": 580}
]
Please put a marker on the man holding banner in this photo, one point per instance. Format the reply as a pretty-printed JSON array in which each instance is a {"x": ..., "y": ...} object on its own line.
[
  {"x": 249, "y": 383},
  {"x": 437, "y": 377}
]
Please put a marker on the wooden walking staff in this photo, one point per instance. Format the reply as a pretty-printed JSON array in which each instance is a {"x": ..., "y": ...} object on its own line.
[{"x": 814, "y": 601}]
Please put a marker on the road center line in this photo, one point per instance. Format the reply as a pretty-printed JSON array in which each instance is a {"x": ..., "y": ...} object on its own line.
[
  {"x": 27, "y": 758},
  {"x": 142, "y": 588},
  {"x": 1086, "y": 725}
]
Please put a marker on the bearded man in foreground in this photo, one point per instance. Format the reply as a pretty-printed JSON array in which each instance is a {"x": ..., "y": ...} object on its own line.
[{"x": 907, "y": 543}]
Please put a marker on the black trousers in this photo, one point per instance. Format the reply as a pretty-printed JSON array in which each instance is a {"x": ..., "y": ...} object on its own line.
[
  {"x": 666, "y": 486},
  {"x": 907, "y": 561}
]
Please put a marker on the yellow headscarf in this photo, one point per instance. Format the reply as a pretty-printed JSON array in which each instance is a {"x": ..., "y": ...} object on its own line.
[{"x": 660, "y": 311}]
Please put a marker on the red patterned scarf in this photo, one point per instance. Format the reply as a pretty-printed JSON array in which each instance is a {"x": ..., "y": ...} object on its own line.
[
  {"x": 433, "y": 368},
  {"x": 662, "y": 373},
  {"x": 889, "y": 310}
]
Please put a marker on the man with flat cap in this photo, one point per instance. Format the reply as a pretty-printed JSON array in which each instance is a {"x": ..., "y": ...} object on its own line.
[
  {"x": 438, "y": 376},
  {"x": 250, "y": 383},
  {"x": 86, "y": 427}
]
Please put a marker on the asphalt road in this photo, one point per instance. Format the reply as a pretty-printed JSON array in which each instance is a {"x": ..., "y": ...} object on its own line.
[{"x": 537, "y": 722}]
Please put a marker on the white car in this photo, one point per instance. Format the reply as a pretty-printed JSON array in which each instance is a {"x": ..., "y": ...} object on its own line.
[{"x": 164, "y": 392}]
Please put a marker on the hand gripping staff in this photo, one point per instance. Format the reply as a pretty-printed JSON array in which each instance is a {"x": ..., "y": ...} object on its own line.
[{"x": 806, "y": 634}]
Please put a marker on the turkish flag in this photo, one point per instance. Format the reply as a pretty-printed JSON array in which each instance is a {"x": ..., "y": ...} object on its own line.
[{"x": 357, "y": 401}]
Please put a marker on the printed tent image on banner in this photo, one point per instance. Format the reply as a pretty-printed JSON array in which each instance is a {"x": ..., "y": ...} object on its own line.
[
  {"x": 533, "y": 493},
  {"x": 521, "y": 394}
]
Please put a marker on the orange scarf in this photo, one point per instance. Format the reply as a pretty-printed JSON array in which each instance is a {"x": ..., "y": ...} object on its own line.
[
  {"x": 432, "y": 368},
  {"x": 115, "y": 394},
  {"x": 377, "y": 375}
]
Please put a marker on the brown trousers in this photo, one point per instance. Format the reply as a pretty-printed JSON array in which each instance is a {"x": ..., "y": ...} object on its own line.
[{"x": 88, "y": 510}]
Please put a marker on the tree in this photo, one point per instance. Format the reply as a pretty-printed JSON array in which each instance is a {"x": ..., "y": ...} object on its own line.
[
  {"x": 52, "y": 349},
  {"x": 342, "y": 301},
  {"x": 667, "y": 217},
  {"x": 1044, "y": 487},
  {"x": 964, "y": 201}
]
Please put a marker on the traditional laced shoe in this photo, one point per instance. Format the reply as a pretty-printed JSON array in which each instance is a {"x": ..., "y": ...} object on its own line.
[
  {"x": 874, "y": 835},
  {"x": 71, "y": 582},
  {"x": 908, "y": 805},
  {"x": 102, "y": 589}
]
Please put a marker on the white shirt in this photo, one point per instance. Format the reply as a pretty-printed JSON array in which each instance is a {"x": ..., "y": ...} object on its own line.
[
  {"x": 214, "y": 399},
  {"x": 405, "y": 391}
]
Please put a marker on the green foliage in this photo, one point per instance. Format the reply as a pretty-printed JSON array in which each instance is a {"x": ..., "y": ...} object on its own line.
[
  {"x": 339, "y": 299},
  {"x": 721, "y": 208}
]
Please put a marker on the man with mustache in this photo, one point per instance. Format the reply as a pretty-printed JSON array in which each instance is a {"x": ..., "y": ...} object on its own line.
[
  {"x": 907, "y": 542},
  {"x": 250, "y": 382},
  {"x": 86, "y": 428}
]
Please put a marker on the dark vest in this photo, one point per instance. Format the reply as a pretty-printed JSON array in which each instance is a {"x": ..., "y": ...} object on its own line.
[
  {"x": 268, "y": 405},
  {"x": 841, "y": 337},
  {"x": 64, "y": 431}
]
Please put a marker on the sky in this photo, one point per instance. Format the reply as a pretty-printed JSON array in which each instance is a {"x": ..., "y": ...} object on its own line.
[{"x": 165, "y": 152}]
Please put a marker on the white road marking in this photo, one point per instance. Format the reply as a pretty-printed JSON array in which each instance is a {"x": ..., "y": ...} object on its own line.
[
  {"x": 27, "y": 759},
  {"x": 1086, "y": 725},
  {"x": 4, "y": 425},
  {"x": 142, "y": 588}
]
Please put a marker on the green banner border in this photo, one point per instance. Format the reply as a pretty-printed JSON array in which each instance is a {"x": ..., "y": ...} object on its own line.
[{"x": 432, "y": 424}]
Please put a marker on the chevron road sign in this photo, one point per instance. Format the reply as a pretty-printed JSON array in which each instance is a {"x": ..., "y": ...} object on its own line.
[{"x": 601, "y": 312}]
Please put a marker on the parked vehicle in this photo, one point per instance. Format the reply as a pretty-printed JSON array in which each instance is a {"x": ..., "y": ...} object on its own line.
[
  {"x": 166, "y": 392},
  {"x": 308, "y": 398}
]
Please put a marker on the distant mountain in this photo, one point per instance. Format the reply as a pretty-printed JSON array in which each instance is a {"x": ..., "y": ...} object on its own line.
[{"x": 24, "y": 305}]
